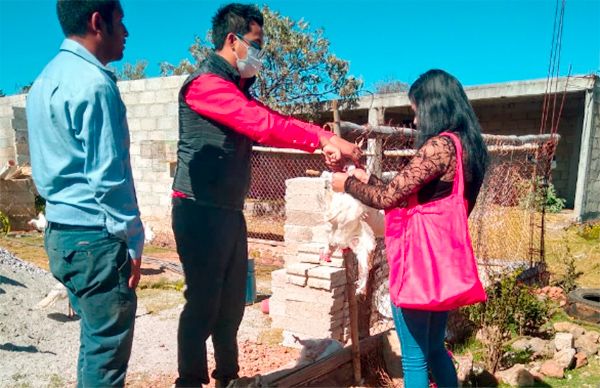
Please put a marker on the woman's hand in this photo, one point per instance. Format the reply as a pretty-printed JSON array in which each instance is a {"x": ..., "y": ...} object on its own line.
[
  {"x": 361, "y": 175},
  {"x": 332, "y": 154},
  {"x": 338, "y": 181}
]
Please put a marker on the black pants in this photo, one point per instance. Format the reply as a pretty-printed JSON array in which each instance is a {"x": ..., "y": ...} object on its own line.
[{"x": 213, "y": 249}]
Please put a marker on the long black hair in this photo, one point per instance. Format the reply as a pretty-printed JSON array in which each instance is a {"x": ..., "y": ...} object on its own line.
[{"x": 443, "y": 106}]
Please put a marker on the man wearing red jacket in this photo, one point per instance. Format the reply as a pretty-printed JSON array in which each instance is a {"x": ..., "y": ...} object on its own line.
[{"x": 218, "y": 123}]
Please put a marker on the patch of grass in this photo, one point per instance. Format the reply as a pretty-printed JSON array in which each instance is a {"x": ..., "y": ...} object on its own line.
[
  {"x": 476, "y": 348},
  {"x": 56, "y": 381},
  {"x": 30, "y": 248},
  {"x": 161, "y": 294},
  {"x": 151, "y": 250},
  {"x": 156, "y": 300},
  {"x": 19, "y": 384},
  {"x": 271, "y": 337},
  {"x": 561, "y": 316},
  {"x": 262, "y": 272},
  {"x": 161, "y": 284},
  {"x": 586, "y": 254}
]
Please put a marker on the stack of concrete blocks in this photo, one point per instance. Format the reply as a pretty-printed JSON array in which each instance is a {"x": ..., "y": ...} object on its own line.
[
  {"x": 152, "y": 114},
  {"x": 308, "y": 294},
  {"x": 17, "y": 196},
  {"x": 11, "y": 116}
]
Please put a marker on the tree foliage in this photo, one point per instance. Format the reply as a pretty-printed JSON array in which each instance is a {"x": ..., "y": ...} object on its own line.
[
  {"x": 299, "y": 71},
  {"x": 390, "y": 85},
  {"x": 132, "y": 72},
  {"x": 2, "y": 93}
]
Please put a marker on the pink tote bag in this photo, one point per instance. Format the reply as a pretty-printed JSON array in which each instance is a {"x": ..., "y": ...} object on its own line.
[{"x": 429, "y": 251}]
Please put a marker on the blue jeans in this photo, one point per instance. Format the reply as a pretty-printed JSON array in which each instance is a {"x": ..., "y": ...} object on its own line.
[
  {"x": 421, "y": 335},
  {"x": 95, "y": 267}
]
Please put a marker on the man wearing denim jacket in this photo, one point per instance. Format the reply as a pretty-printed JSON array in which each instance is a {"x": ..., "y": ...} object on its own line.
[{"x": 79, "y": 143}]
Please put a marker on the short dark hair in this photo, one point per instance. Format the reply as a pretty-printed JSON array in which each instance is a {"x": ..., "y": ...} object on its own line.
[
  {"x": 442, "y": 105},
  {"x": 73, "y": 15},
  {"x": 234, "y": 18}
]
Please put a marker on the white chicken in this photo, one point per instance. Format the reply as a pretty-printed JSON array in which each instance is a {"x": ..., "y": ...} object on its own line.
[
  {"x": 345, "y": 214},
  {"x": 148, "y": 234},
  {"x": 315, "y": 349},
  {"x": 40, "y": 223},
  {"x": 57, "y": 293}
]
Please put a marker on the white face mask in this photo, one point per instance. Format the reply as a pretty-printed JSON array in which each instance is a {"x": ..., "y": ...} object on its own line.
[{"x": 251, "y": 65}]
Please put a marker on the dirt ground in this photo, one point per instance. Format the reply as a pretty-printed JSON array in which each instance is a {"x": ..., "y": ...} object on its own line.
[{"x": 39, "y": 347}]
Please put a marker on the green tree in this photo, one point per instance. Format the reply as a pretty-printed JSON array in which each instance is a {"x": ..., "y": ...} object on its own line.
[
  {"x": 25, "y": 88},
  {"x": 390, "y": 85},
  {"x": 131, "y": 72},
  {"x": 299, "y": 72},
  {"x": 2, "y": 93}
]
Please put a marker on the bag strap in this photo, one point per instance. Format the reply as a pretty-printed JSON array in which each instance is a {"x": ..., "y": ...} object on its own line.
[{"x": 458, "y": 186}]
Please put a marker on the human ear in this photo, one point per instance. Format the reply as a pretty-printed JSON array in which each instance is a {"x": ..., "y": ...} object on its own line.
[{"x": 96, "y": 23}]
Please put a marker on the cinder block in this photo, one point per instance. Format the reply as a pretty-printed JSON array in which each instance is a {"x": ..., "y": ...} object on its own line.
[
  {"x": 148, "y": 124},
  {"x": 156, "y": 110},
  {"x": 167, "y": 122},
  {"x": 309, "y": 203},
  {"x": 320, "y": 233},
  {"x": 279, "y": 277},
  {"x": 305, "y": 294},
  {"x": 148, "y": 97},
  {"x": 297, "y": 280},
  {"x": 137, "y": 85},
  {"x": 304, "y": 218},
  {"x": 297, "y": 233},
  {"x": 315, "y": 310},
  {"x": 305, "y": 184},
  {"x": 166, "y": 96},
  {"x": 130, "y": 99},
  {"x": 173, "y": 82},
  {"x": 300, "y": 269},
  {"x": 154, "y": 83}
]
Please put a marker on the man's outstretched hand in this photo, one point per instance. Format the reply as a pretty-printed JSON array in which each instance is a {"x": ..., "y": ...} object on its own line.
[{"x": 349, "y": 152}]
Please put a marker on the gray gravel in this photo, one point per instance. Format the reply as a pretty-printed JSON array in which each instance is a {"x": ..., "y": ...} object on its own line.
[{"x": 38, "y": 348}]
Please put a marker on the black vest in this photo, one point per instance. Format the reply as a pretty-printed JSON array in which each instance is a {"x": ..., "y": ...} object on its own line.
[{"x": 213, "y": 161}]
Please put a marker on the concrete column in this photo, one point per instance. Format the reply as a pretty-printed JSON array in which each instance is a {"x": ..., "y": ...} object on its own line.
[
  {"x": 585, "y": 154},
  {"x": 375, "y": 146}
]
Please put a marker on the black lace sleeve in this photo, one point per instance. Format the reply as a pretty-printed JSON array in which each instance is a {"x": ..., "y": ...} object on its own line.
[{"x": 436, "y": 158}]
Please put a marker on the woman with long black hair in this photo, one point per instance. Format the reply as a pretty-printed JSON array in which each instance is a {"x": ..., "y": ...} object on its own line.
[{"x": 432, "y": 266}]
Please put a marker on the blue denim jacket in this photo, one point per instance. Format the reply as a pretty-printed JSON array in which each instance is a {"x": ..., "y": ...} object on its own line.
[{"x": 79, "y": 146}]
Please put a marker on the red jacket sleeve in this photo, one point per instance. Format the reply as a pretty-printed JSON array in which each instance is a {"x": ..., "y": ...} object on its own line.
[{"x": 221, "y": 101}]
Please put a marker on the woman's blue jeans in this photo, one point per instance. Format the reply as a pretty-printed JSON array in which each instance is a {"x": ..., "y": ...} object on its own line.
[{"x": 421, "y": 335}]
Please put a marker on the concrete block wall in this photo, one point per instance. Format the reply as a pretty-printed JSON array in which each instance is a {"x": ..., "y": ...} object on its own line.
[
  {"x": 591, "y": 204},
  {"x": 10, "y": 114},
  {"x": 152, "y": 114},
  {"x": 523, "y": 116},
  {"x": 308, "y": 295}
]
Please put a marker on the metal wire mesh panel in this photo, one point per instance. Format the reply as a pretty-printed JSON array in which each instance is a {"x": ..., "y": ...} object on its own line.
[{"x": 265, "y": 202}]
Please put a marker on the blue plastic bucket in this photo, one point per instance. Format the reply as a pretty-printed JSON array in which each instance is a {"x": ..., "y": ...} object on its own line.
[{"x": 250, "y": 283}]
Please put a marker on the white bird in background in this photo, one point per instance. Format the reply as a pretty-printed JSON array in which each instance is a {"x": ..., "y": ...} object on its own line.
[
  {"x": 314, "y": 349},
  {"x": 57, "y": 293},
  {"x": 148, "y": 234},
  {"x": 40, "y": 223}
]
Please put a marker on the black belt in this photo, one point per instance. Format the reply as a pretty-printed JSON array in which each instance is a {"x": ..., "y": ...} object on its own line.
[{"x": 57, "y": 226}]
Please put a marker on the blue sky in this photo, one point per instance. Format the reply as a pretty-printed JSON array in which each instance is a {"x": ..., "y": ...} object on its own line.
[{"x": 479, "y": 41}]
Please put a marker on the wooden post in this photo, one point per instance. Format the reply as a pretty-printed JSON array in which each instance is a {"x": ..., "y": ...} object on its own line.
[
  {"x": 353, "y": 310},
  {"x": 336, "y": 118}
]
